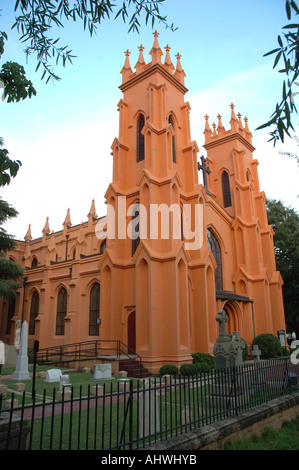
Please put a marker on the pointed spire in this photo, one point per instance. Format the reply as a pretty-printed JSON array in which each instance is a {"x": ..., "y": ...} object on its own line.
[
  {"x": 92, "y": 211},
  {"x": 214, "y": 133},
  {"x": 240, "y": 122},
  {"x": 167, "y": 63},
  {"x": 179, "y": 72},
  {"x": 140, "y": 62},
  {"x": 126, "y": 70},
  {"x": 28, "y": 236},
  {"x": 46, "y": 229},
  {"x": 155, "y": 51},
  {"x": 67, "y": 221},
  {"x": 247, "y": 131},
  {"x": 233, "y": 120},
  {"x": 207, "y": 132},
  {"x": 220, "y": 127}
]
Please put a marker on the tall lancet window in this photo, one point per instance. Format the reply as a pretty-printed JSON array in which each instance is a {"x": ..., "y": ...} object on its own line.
[
  {"x": 170, "y": 120},
  {"x": 140, "y": 139},
  {"x": 135, "y": 228},
  {"x": 61, "y": 311},
  {"x": 94, "y": 310},
  {"x": 227, "y": 201},
  {"x": 33, "y": 312},
  {"x": 214, "y": 246}
]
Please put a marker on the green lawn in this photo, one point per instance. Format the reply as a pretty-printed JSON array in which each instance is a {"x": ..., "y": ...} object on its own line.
[{"x": 285, "y": 438}]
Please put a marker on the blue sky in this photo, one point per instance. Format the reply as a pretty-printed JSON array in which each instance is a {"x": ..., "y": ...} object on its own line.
[{"x": 63, "y": 135}]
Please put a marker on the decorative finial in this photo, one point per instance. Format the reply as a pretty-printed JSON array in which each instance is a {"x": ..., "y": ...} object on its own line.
[
  {"x": 233, "y": 119},
  {"x": 179, "y": 72},
  {"x": 140, "y": 61},
  {"x": 126, "y": 71},
  {"x": 240, "y": 122},
  {"x": 220, "y": 127},
  {"x": 156, "y": 50},
  {"x": 207, "y": 130},
  {"x": 168, "y": 64},
  {"x": 28, "y": 236}
]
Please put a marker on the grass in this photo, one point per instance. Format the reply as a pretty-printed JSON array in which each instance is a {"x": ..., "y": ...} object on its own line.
[{"x": 284, "y": 438}]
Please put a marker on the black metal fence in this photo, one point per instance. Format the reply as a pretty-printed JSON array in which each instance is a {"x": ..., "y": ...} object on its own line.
[{"x": 135, "y": 414}]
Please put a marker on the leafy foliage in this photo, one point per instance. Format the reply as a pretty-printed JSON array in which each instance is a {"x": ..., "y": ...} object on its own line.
[
  {"x": 168, "y": 369},
  {"x": 269, "y": 345},
  {"x": 288, "y": 50},
  {"x": 35, "y": 20},
  {"x": 204, "y": 362},
  {"x": 285, "y": 222},
  {"x": 9, "y": 270}
]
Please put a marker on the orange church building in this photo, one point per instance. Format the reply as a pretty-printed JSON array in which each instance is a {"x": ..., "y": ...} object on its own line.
[{"x": 171, "y": 252}]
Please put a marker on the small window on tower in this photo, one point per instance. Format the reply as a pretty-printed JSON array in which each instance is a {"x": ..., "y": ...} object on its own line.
[
  {"x": 173, "y": 140},
  {"x": 227, "y": 201},
  {"x": 140, "y": 139}
]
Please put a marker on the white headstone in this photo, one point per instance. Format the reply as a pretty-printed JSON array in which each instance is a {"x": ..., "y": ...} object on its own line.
[
  {"x": 149, "y": 421},
  {"x": 102, "y": 371},
  {"x": 53, "y": 375},
  {"x": 65, "y": 383},
  {"x": 2, "y": 353},
  {"x": 21, "y": 373}
]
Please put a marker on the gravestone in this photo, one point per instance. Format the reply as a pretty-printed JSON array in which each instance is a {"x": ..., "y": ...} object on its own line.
[
  {"x": 53, "y": 375},
  {"x": 224, "y": 351},
  {"x": 65, "y": 384},
  {"x": 2, "y": 355},
  {"x": 238, "y": 345},
  {"x": 21, "y": 372},
  {"x": 256, "y": 353},
  {"x": 102, "y": 371},
  {"x": 149, "y": 422},
  {"x": 18, "y": 335},
  {"x": 227, "y": 353}
]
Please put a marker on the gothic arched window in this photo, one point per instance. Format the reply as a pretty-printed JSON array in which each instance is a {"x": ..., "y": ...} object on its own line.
[
  {"x": 170, "y": 120},
  {"x": 227, "y": 201},
  {"x": 94, "y": 310},
  {"x": 34, "y": 262},
  {"x": 33, "y": 312},
  {"x": 140, "y": 139},
  {"x": 61, "y": 311},
  {"x": 214, "y": 246},
  {"x": 135, "y": 229}
]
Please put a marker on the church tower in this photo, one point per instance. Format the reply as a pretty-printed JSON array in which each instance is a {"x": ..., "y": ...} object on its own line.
[
  {"x": 233, "y": 182},
  {"x": 144, "y": 268}
]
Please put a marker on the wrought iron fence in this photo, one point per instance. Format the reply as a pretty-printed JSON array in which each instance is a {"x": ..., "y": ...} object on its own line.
[{"x": 135, "y": 414}]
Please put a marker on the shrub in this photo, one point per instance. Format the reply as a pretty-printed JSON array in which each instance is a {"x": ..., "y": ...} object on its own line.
[
  {"x": 204, "y": 362},
  {"x": 269, "y": 345},
  {"x": 168, "y": 369},
  {"x": 188, "y": 369}
]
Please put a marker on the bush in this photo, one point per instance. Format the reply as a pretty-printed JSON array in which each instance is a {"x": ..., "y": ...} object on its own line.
[
  {"x": 204, "y": 362},
  {"x": 188, "y": 369},
  {"x": 269, "y": 345},
  {"x": 168, "y": 369}
]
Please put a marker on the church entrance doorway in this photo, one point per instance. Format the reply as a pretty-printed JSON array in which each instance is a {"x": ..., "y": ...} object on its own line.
[
  {"x": 132, "y": 332},
  {"x": 231, "y": 311}
]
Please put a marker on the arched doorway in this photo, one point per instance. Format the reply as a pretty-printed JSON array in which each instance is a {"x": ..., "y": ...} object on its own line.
[
  {"x": 232, "y": 311},
  {"x": 132, "y": 332}
]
